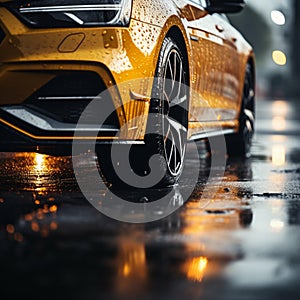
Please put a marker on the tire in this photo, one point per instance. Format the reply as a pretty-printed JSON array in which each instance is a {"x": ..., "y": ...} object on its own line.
[
  {"x": 169, "y": 111},
  {"x": 239, "y": 144},
  {"x": 166, "y": 133}
]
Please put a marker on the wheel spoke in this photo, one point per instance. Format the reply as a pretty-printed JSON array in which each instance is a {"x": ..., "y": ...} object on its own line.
[
  {"x": 250, "y": 114},
  {"x": 178, "y": 101},
  {"x": 178, "y": 132},
  {"x": 249, "y": 126},
  {"x": 174, "y": 157},
  {"x": 167, "y": 98},
  {"x": 170, "y": 69},
  {"x": 251, "y": 93},
  {"x": 166, "y": 132},
  {"x": 177, "y": 126},
  {"x": 180, "y": 79},
  {"x": 174, "y": 68},
  {"x": 172, "y": 148},
  {"x": 174, "y": 153},
  {"x": 171, "y": 78}
]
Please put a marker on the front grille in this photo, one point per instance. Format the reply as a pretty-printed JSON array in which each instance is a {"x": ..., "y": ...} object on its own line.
[
  {"x": 2, "y": 35},
  {"x": 65, "y": 97}
]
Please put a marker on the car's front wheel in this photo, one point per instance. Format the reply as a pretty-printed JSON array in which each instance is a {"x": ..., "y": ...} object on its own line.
[
  {"x": 168, "y": 122},
  {"x": 166, "y": 133}
]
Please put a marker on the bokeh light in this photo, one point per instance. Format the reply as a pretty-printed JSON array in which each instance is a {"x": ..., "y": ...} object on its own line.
[
  {"x": 278, "y": 17},
  {"x": 278, "y": 155},
  {"x": 279, "y": 57}
]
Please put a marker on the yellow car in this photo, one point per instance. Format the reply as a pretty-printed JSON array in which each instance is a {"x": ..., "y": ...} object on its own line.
[{"x": 177, "y": 71}]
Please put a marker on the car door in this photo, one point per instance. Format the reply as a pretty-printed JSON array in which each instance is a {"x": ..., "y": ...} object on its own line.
[
  {"x": 215, "y": 68},
  {"x": 229, "y": 68}
]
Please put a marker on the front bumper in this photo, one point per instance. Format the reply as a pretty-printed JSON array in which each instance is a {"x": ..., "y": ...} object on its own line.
[
  {"x": 31, "y": 59},
  {"x": 22, "y": 129}
]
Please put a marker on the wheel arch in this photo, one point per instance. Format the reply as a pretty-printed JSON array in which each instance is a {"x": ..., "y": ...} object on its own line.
[{"x": 175, "y": 33}]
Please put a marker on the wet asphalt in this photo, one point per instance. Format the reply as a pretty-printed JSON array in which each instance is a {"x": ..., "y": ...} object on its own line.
[{"x": 237, "y": 238}]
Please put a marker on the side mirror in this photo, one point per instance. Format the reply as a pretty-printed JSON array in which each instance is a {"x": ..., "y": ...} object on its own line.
[
  {"x": 225, "y": 6},
  {"x": 191, "y": 12}
]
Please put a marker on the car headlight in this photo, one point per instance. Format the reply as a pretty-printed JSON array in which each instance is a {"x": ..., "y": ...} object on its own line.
[{"x": 72, "y": 13}]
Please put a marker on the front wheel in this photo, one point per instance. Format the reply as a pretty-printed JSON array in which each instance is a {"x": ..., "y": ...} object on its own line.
[
  {"x": 166, "y": 133},
  {"x": 168, "y": 122}
]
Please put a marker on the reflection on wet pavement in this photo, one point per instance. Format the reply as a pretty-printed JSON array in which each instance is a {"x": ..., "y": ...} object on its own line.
[
  {"x": 241, "y": 241},
  {"x": 35, "y": 172}
]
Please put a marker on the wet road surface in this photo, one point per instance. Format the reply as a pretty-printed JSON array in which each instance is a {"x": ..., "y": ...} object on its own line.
[{"x": 240, "y": 242}]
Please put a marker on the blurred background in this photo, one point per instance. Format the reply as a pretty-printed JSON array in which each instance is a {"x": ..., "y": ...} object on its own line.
[{"x": 271, "y": 26}]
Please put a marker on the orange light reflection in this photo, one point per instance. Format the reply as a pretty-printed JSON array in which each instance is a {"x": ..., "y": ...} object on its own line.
[
  {"x": 276, "y": 225},
  {"x": 133, "y": 260},
  {"x": 132, "y": 269},
  {"x": 40, "y": 167},
  {"x": 280, "y": 108},
  {"x": 40, "y": 162},
  {"x": 279, "y": 123},
  {"x": 196, "y": 268},
  {"x": 278, "y": 155}
]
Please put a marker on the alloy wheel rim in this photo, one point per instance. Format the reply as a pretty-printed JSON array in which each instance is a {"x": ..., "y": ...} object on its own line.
[{"x": 175, "y": 112}]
